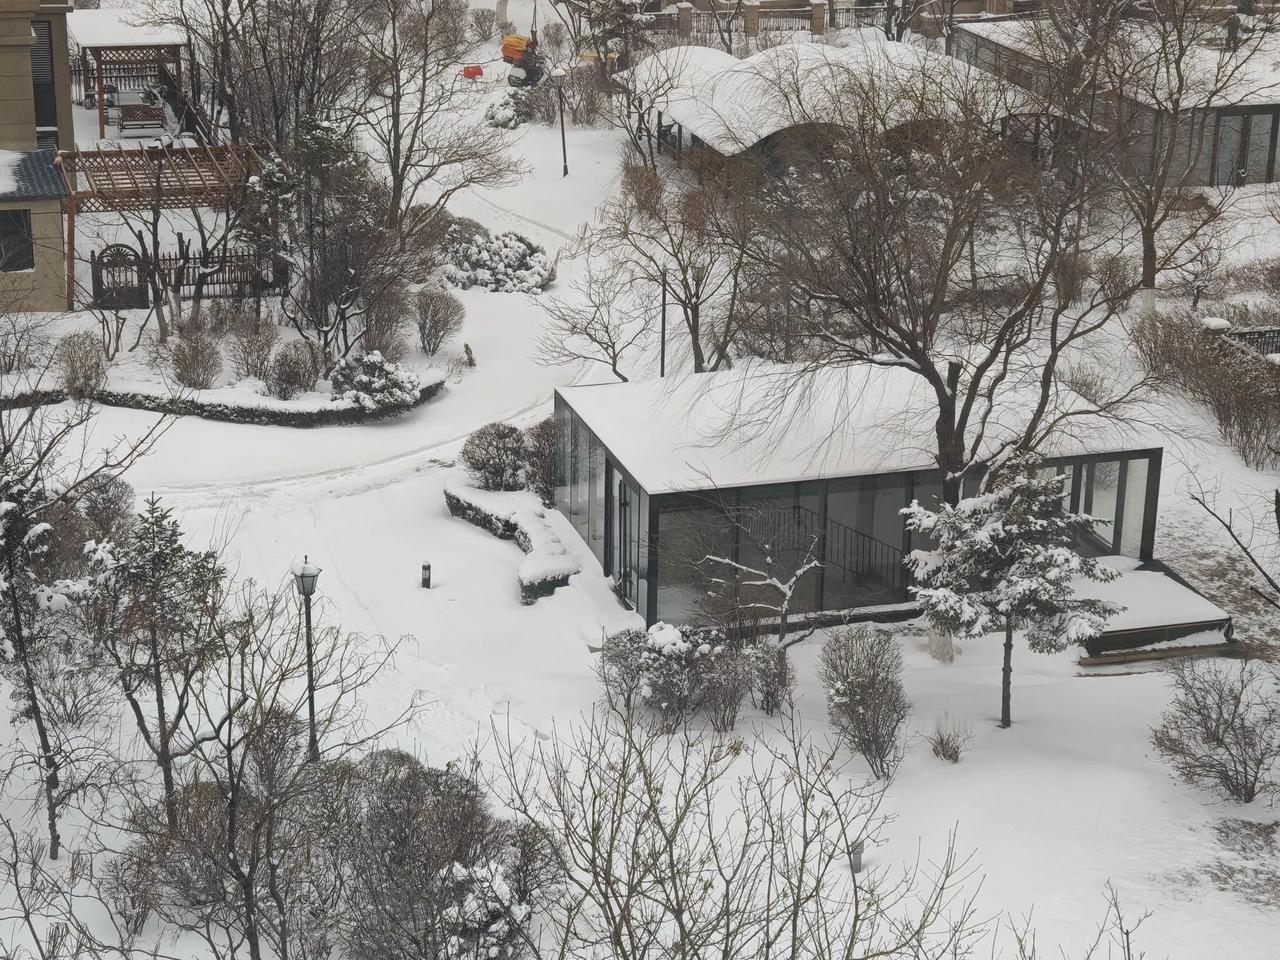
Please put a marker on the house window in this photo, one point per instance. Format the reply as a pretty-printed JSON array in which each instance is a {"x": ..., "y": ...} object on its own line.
[
  {"x": 17, "y": 250},
  {"x": 42, "y": 87}
]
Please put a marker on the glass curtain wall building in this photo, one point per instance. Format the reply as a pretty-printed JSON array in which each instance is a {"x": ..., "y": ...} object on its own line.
[{"x": 672, "y": 555}]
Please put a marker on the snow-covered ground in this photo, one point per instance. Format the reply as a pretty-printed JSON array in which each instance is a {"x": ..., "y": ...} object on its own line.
[{"x": 1052, "y": 809}]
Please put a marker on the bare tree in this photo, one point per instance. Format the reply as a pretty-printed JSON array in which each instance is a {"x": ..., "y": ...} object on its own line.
[
  {"x": 603, "y": 323},
  {"x": 683, "y": 845}
]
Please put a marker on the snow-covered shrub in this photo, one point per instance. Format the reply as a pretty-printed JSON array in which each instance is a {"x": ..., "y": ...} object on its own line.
[
  {"x": 194, "y": 357},
  {"x": 81, "y": 368},
  {"x": 726, "y": 686},
  {"x": 293, "y": 370},
  {"x": 666, "y": 668},
  {"x": 509, "y": 112},
  {"x": 861, "y": 669},
  {"x": 494, "y": 455},
  {"x": 1222, "y": 729},
  {"x": 439, "y": 315},
  {"x": 250, "y": 343},
  {"x": 772, "y": 678},
  {"x": 948, "y": 740},
  {"x": 385, "y": 327},
  {"x": 540, "y": 468},
  {"x": 504, "y": 263},
  {"x": 24, "y": 341},
  {"x": 426, "y": 848},
  {"x": 374, "y": 383}
]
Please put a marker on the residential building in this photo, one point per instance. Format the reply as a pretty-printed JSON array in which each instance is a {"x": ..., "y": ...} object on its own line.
[{"x": 35, "y": 121}]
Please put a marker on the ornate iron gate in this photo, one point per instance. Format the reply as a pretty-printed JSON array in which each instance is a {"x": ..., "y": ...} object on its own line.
[{"x": 118, "y": 280}]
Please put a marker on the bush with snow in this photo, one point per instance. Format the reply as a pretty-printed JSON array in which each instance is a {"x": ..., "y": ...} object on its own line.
[
  {"x": 540, "y": 469},
  {"x": 510, "y": 112},
  {"x": 504, "y": 263},
  {"x": 495, "y": 456},
  {"x": 1222, "y": 729},
  {"x": 670, "y": 669},
  {"x": 81, "y": 367},
  {"x": 293, "y": 370},
  {"x": 861, "y": 669},
  {"x": 374, "y": 383}
]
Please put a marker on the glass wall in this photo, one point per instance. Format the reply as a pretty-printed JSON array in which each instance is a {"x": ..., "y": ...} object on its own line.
[
  {"x": 693, "y": 582},
  {"x": 779, "y": 530},
  {"x": 581, "y": 478},
  {"x": 864, "y": 558}
]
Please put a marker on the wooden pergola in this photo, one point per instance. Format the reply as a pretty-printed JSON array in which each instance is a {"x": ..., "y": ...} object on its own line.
[
  {"x": 174, "y": 176},
  {"x": 118, "y": 60}
]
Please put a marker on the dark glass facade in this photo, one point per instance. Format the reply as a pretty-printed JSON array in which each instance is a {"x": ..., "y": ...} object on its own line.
[{"x": 671, "y": 555}]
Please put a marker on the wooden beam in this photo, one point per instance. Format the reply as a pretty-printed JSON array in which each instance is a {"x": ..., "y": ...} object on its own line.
[{"x": 71, "y": 252}]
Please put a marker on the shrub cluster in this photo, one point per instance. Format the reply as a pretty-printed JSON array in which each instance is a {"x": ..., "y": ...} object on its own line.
[
  {"x": 499, "y": 456},
  {"x": 439, "y": 315},
  {"x": 1222, "y": 728},
  {"x": 374, "y": 383},
  {"x": 504, "y": 263},
  {"x": 675, "y": 672},
  {"x": 81, "y": 368},
  {"x": 293, "y": 370},
  {"x": 861, "y": 669},
  {"x": 510, "y": 112},
  {"x": 1240, "y": 387}
]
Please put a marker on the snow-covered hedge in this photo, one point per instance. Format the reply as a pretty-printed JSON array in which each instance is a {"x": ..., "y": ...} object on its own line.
[
  {"x": 517, "y": 516},
  {"x": 374, "y": 383},
  {"x": 246, "y": 408},
  {"x": 504, "y": 263},
  {"x": 509, "y": 112}
]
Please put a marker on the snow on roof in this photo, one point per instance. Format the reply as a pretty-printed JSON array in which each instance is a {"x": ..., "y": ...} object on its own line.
[
  {"x": 1210, "y": 75},
  {"x": 767, "y": 423},
  {"x": 91, "y": 29},
  {"x": 30, "y": 175},
  {"x": 733, "y": 104},
  {"x": 1148, "y": 598}
]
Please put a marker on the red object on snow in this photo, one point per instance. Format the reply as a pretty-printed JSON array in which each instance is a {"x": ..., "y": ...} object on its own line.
[{"x": 473, "y": 71}]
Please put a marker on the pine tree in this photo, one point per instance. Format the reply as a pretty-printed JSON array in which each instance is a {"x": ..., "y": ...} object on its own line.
[
  {"x": 159, "y": 605},
  {"x": 1006, "y": 559}
]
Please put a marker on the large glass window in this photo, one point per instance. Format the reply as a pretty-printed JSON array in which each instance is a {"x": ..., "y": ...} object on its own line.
[
  {"x": 579, "y": 489},
  {"x": 1258, "y": 149},
  {"x": 596, "y": 496},
  {"x": 1230, "y": 143},
  {"x": 864, "y": 533},
  {"x": 693, "y": 584},
  {"x": 564, "y": 443},
  {"x": 779, "y": 529},
  {"x": 1133, "y": 515}
]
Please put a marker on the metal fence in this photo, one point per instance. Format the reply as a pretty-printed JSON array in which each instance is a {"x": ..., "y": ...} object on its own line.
[
  {"x": 784, "y": 20},
  {"x": 849, "y": 18}
]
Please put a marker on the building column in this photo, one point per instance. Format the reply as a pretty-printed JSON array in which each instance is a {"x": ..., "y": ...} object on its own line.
[
  {"x": 818, "y": 17},
  {"x": 997, "y": 7},
  {"x": 751, "y": 17},
  {"x": 684, "y": 19}
]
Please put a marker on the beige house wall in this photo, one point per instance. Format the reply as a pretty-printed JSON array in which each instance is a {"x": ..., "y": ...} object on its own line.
[
  {"x": 45, "y": 286},
  {"x": 17, "y": 105}
]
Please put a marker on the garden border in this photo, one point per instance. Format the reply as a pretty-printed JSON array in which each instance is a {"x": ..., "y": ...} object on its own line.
[{"x": 347, "y": 414}]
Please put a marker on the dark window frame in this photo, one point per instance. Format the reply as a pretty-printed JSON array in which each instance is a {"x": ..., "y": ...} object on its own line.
[{"x": 16, "y": 224}]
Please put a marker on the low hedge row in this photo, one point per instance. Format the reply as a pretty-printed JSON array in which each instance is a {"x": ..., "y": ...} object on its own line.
[
  {"x": 532, "y": 587},
  {"x": 226, "y": 412}
]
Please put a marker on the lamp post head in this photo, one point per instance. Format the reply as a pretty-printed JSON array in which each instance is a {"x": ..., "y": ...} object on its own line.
[
  {"x": 558, "y": 75},
  {"x": 305, "y": 575}
]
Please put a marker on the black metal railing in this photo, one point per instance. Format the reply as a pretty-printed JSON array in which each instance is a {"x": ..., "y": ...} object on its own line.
[
  {"x": 849, "y": 18},
  {"x": 843, "y": 549},
  {"x": 785, "y": 20}
]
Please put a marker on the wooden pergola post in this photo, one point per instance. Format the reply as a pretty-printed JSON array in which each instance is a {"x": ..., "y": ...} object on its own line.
[
  {"x": 102, "y": 120},
  {"x": 71, "y": 252}
]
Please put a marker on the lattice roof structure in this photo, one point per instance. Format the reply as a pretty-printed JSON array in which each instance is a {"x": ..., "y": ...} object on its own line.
[
  {"x": 169, "y": 176},
  {"x": 174, "y": 176}
]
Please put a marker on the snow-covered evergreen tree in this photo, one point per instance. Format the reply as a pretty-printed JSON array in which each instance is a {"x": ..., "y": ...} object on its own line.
[{"x": 1007, "y": 560}]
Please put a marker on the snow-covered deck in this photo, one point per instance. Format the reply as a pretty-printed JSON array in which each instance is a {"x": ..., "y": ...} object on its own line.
[{"x": 1156, "y": 608}]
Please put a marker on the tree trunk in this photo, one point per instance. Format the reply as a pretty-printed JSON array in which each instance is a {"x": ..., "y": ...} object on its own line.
[
  {"x": 163, "y": 734},
  {"x": 1006, "y": 679},
  {"x": 941, "y": 647},
  {"x": 1148, "y": 291},
  {"x": 47, "y": 758}
]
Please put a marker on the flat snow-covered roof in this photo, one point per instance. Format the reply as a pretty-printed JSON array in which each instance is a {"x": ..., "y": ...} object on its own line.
[
  {"x": 1210, "y": 76},
  {"x": 118, "y": 28},
  {"x": 765, "y": 423}
]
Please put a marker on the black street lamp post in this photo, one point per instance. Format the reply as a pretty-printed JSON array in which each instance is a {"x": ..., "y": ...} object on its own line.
[
  {"x": 305, "y": 578},
  {"x": 557, "y": 78}
]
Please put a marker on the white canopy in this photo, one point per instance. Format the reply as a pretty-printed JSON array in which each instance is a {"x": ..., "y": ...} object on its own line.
[
  {"x": 733, "y": 104},
  {"x": 92, "y": 29}
]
